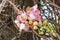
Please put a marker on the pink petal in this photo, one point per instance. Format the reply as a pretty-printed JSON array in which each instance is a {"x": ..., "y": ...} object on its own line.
[
  {"x": 31, "y": 9},
  {"x": 26, "y": 28},
  {"x": 19, "y": 18},
  {"x": 36, "y": 12},
  {"x": 20, "y": 12}
]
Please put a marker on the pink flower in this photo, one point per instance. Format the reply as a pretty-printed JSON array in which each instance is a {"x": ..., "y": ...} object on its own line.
[
  {"x": 23, "y": 21},
  {"x": 26, "y": 28},
  {"x": 20, "y": 12},
  {"x": 38, "y": 18},
  {"x": 37, "y": 12},
  {"x": 19, "y": 18},
  {"x": 31, "y": 9}
]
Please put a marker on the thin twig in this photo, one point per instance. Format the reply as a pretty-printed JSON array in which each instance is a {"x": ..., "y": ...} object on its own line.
[
  {"x": 14, "y": 38},
  {"x": 37, "y": 38},
  {"x": 34, "y": 1},
  {"x": 4, "y": 14},
  {"x": 2, "y": 5},
  {"x": 14, "y": 6},
  {"x": 53, "y": 4},
  {"x": 33, "y": 37},
  {"x": 57, "y": 35}
]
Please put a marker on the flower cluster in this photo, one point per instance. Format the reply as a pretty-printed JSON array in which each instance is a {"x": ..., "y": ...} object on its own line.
[{"x": 29, "y": 19}]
